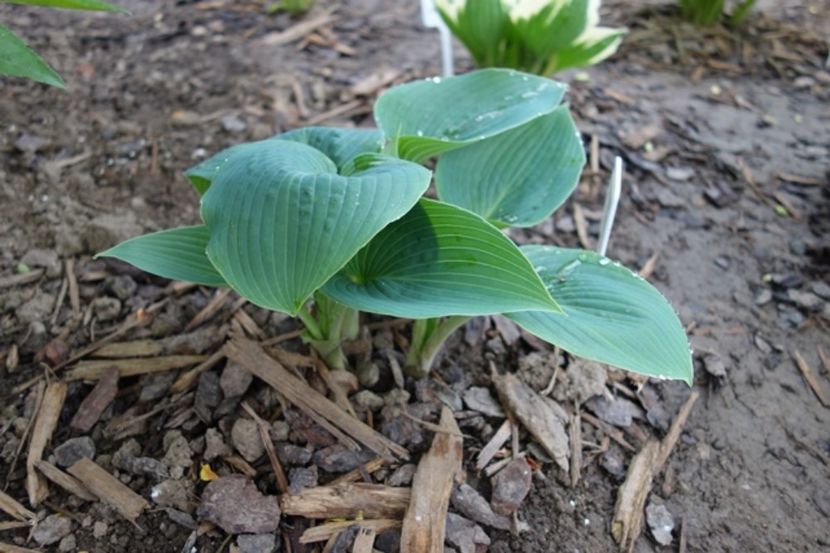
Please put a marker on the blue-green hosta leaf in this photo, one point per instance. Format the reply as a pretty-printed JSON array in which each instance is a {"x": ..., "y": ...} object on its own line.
[
  {"x": 282, "y": 221},
  {"x": 91, "y": 5},
  {"x": 479, "y": 24},
  {"x": 432, "y": 116},
  {"x": 519, "y": 177},
  {"x": 592, "y": 47},
  {"x": 612, "y": 315},
  {"x": 18, "y": 60},
  {"x": 177, "y": 253},
  {"x": 439, "y": 260},
  {"x": 339, "y": 145}
]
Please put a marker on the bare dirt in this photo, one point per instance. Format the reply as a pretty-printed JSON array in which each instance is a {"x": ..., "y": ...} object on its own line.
[{"x": 726, "y": 137}]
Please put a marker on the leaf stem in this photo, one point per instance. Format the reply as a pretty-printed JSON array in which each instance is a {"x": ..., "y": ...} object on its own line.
[
  {"x": 429, "y": 337},
  {"x": 310, "y": 323}
]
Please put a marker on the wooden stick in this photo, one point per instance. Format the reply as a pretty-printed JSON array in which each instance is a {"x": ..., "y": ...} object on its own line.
[
  {"x": 94, "y": 404},
  {"x": 356, "y": 474},
  {"x": 65, "y": 481},
  {"x": 347, "y": 501},
  {"x": 74, "y": 294},
  {"x": 575, "y": 428},
  {"x": 489, "y": 451},
  {"x": 134, "y": 348},
  {"x": 364, "y": 541},
  {"x": 265, "y": 435},
  {"x": 109, "y": 489},
  {"x": 424, "y": 525},
  {"x": 341, "y": 398},
  {"x": 23, "y": 278},
  {"x": 299, "y": 30},
  {"x": 188, "y": 379},
  {"x": 45, "y": 423},
  {"x": 325, "y": 531},
  {"x": 92, "y": 370},
  {"x": 811, "y": 378},
  {"x": 209, "y": 310},
  {"x": 250, "y": 355},
  {"x": 14, "y": 509}
]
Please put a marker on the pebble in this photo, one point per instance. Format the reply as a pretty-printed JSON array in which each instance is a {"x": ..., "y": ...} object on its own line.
[
  {"x": 763, "y": 296},
  {"x": 215, "y": 445},
  {"x": 466, "y": 500},
  {"x": 480, "y": 399},
  {"x": 714, "y": 365},
  {"x": 510, "y": 486},
  {"x": 68, "y": 544},
  {"x": 122, "y": 286},
  {"x": 429, "y": 390},
  {"x": 236, "y": 505},
  {"x": 52, "y": 529},
  {"x": 155, "y": 386},
  {"x": 805, "y": 300},
  {"x": 256, "y": 543},
  {"x": 74, "y": 449},
  {"x": 279, "y": 430},
  {"x": 367, "y": 400},
  {"x": 337, "y": 459},
  {"x": 616, "y": 411},
  {"x": 300, "y": 478},
  {"x": 465, "y": 534},
  {"x": 583, "y": 380},
  {"x": 178, "y": 455},
  {"x": 613, "y": 462},
  {"x": 235, "y": 380},
  {"x": 290, "y": 454},
  {"x": 402, "y": 475},
  {"x": 821, "y": 289},
  {"x": 208, "y": 395},
  {"x": 127, "y": 458},
  {"x": 99, "y": 529},
  {"x": 36, "y": 309},
  {"x": 106, "y": 308},
  {"x": 246, "y": 439},
  {"x": 173, "y": 493},
  {"x": 48, "y": 259},
  {"x": 233, "y": 123},
  {"x": 661, "y": 522},
  {"x": 667, "y": 198},
  {"x": 723, "y": 262}
]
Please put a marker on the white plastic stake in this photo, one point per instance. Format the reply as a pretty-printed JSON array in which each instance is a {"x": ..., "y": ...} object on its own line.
[
  {"x": 609, "y": 210},
  {"x": 432, "y": 19}
]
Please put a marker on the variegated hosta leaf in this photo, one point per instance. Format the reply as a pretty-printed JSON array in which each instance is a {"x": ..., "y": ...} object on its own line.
[
  {"x": 439, "y": 260},
  {"x": 432, "y": 116},
  {"x": 479, "y": 25},
  {"x": 282, "y": 220},
  {"x": 611, "y": 315},
  {"x": 592, "y": 47},
  {"x": 519, "y": 177}
]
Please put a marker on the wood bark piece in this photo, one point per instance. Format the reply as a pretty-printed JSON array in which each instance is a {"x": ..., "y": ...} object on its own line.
[
  {"x": 265, "y": 435},
  {"x": 347, "y": 501},
  {"x": 424, "y": 525},
  {"x": 109, "y": 489},
  {"x": 189, "y": 378},
  {"x": 812, "y": 379},
  {"x": 236, "y": 505},
  {"x": 492, "y": 447},
  {"x": 537, "y": 416},
  {"x": 212, "y": 308},
  {"x": 299, "y": 30},
  {"x": 45, "y": 423},
  {"x": 364, "y": 541},
  {"x": 135, "y": 348},
  {"x": 250, "y": 355},
  {"x": 96, "y": 401},
  {"x": 357, "y": 474},
  {"x": 14, "y": 509},
  {"x": 65, "y": 481},
  {"x": 325, "y": 531},
  {"x": 576, "y": 447},
  {"x": 631, "y": 497},
  {"x": 93, "y": 370},
  {"x": 23, "y": 278}
]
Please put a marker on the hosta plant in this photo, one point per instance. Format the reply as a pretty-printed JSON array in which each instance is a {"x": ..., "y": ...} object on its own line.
[
  {"x": 710, "y": 12},
  {"x": 539, "y": 36},
  {"x": 18, "y": 60},
  {"x": 322, "y": 223}
]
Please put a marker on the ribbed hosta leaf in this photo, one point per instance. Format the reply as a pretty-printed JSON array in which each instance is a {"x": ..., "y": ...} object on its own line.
[
  {"x": 18, "y": 60},
  {"x": 432, "y": 116},
  {"x": 282, "y": 221},
  {"x": 479, "y": 25},
  {"x": 177, "y": 253},
  {"x": 439, "y": 260},
  {"x": 592, "y": 47},
  {"x": 516, "y": 178},
  {"x": 611, "y": 315}
]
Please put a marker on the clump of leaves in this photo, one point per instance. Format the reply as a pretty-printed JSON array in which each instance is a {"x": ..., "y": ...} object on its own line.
[
  {"x": 710, "y": 12},
  {"x": 539, "y": 36},
  {"x": 321, "y": 223},
  {"x": 18, "y": 60}
]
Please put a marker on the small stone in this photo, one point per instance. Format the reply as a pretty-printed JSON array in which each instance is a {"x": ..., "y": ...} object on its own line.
[
  {"x": 208, "y": 395},
  {"x": 279, "y": 430},
  {"x": 173, "y": 493},
  {"x": 723, "y": 262},
  {"x": 246, "y": 439},
  {"x": 68, "y": 544},
  {"x": 215, "y": 445},
  {"x": 52, "y": 529},
  {"x": 821, "y": 289},
  {"x": 36, "y": 309},
  {"x": 155, "y": 386},
  {"x": 336, "y": 458},
  {"x": 583, "y": 380},
  {"x": 465, "y": 534},
  {"x": 805, "y": 300},
  {"x": 429, "y": 390},
  {"x": 617, "y": 411},
  {"x": 47, "y": 259},
  {"x": 290, "y": 454},
  {"x": 536, "y": 369},
  {"x": 99, "y": 529},
  {"x": 510, "y": 486},
  {"x": 481, "y": 400},
  {"x": 127, "y": 459},
  {"x": 122, "y": 286},
  {"x": 680, "y": 173},
  {"x": 714, "y": 365},
  {"x": 233, "y": 123},
  {"x": 667, "y": 198},
  {"x": 661, "y": 522},
  {"x": 236, "y": 505},
  {"x": 300, "y": 478},
  {"x": 256, "y": 543},
  {"x": 235, "y": 379},
  {"x": 178, "y": 455},
  {"x": 402, "y": 475},
  {"x": 181, "y": 518},
  {"x": 106, "y": 308},
  {"x": 763, "y": 296},
  {"x": 367, "y": 400},
  {"x": 614, "y": 463},
  {"x": 467, "y": 501},
  {"x": 74, "y": 449}
]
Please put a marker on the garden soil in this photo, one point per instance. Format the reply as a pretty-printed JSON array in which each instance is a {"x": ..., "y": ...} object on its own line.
[{"x": 726, "y": 139}]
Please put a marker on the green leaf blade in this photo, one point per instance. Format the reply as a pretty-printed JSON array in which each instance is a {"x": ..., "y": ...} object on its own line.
[
  {"x": 519, "y": 177},
  {"x": 87, "y": 5},
  {"x": 282, "y": 220},
  {"x": 18, "y": 60},
  {"x": 611, "y": 315},
  {"x": 439, "y": 260},
  {"x": 432, "y": 116},
  {"x": 177, "y": 254},
  {"x": 338, "y": 144}
]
